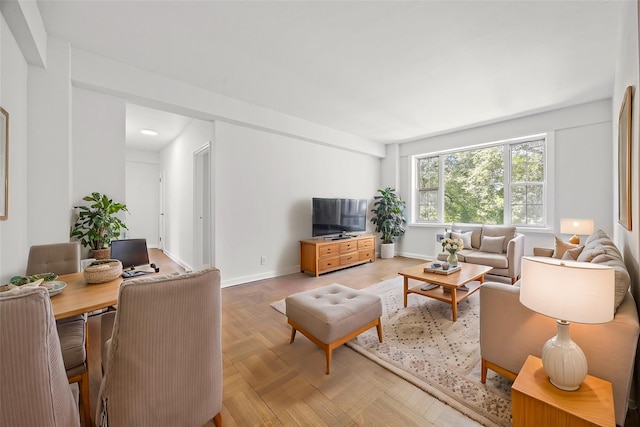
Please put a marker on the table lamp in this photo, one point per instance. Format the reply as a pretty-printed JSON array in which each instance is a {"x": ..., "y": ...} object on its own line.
[
  {"x": 582, "y": 227},
  {"x": 569, "y": 292}
]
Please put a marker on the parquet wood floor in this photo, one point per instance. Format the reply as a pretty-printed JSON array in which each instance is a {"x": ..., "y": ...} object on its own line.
[{"x": 269, "y": 382}]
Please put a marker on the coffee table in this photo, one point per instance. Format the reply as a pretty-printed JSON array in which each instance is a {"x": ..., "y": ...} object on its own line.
[{"x": 449, "y": 290}]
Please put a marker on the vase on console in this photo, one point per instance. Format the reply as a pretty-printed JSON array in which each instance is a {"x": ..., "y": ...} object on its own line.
[{"x": 452, "y": 246}]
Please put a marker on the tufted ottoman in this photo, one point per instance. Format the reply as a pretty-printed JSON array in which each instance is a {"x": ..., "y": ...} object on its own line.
[{"x": 332, "y": 315}]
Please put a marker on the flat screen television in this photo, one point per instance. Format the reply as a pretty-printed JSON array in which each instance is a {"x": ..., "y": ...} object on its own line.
[
  {"x": 130, "y": 252},
  {"x": 338, "y": 216}
]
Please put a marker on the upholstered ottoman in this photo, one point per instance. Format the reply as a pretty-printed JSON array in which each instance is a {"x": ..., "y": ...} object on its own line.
[{"x": 332, "y": 315}]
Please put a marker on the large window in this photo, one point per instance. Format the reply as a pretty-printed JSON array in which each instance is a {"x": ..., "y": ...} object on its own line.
[{"x": 495, "y": 184}]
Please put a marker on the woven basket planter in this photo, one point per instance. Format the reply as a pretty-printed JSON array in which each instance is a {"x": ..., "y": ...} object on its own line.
[{"x": 103, "y": 271}]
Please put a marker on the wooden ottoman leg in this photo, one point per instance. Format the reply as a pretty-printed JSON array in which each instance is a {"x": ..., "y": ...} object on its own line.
[
  {"x": 329, "y": 353},
  {"x": 379, "y": 329},
  {"x": 293, "y": 334}
]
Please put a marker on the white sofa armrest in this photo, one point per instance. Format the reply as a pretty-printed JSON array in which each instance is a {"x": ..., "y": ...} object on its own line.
[{"x": 515, "y": 252}]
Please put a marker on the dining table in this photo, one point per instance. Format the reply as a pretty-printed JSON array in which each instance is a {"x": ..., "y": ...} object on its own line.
[{"x": 80, "y": 297}]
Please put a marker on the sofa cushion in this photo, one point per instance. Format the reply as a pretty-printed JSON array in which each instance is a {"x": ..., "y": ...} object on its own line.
[
  {"x": 589, "y": 253},
  {"x": 509, "y": 232},
  {"x": 466, "y": 238},
  {"x": 489, "y": 259},
  {"x": 598, "y": 234},
  {"x": 461, "y": 255},
  {"x": 561, "y": 247},
  {"x": 599, "y": 249},
  {"x": 492, "y": 244}
]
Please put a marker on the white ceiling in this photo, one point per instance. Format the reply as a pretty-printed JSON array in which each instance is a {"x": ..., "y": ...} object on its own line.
[
  {"x": 388, "y": 71},
  {"x": 168, "y": 125}
]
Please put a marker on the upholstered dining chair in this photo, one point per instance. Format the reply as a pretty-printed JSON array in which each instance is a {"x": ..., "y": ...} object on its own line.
[
  {"x": 34, "y": 390},
  {"x": 163, "y": 356},
  {"x": 64, "y": 258}
]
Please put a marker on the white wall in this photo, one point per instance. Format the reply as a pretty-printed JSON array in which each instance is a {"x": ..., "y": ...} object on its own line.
[
  {"x": 142, "y": 200},
  {"x": 627, "y": 69},
  {"x": 176, "y": 163},
  {"x": 581, "y": 166},
  {"x": 98, "y": 147},
  {"x": 264, "y": 184},
  {"x": 49, "y": 147},
  {"x": 13, "y": 98},
  {"x": 628, "y": 241}
]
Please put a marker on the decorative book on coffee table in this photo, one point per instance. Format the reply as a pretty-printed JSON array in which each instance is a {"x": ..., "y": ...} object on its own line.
[{"x": 440, "y": 270}]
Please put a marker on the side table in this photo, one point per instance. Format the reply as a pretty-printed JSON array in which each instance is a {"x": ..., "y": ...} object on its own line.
[{"x": 537, "y": 402}]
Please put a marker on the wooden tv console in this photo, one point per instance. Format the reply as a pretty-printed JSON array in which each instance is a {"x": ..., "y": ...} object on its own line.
[{"x": 318, "y": 256}]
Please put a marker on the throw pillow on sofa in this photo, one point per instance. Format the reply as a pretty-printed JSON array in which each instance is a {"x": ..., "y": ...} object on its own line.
[
  {"x": 466, "y": 238},
  {"x": 492, "y": 244},
  {"x": 573, "y": 254},
  {"x": 562, "y": 247},
  {"x": 509, "y": 233}
]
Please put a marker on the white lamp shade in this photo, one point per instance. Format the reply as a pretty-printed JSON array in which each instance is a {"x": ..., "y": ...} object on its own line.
[
  {"x": 571, "y": 291},
  {"x": 579, "y": 227}
]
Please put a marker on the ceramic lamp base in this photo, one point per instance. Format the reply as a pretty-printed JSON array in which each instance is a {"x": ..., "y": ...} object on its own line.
[{"x": 563, "y": 360}]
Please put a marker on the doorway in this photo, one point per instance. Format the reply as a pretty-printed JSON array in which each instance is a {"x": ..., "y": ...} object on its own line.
[{"x": 202, "y": 207}]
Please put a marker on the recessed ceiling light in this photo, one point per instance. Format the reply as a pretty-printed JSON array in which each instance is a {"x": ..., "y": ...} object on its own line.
[{"x": 149, "y": 132}]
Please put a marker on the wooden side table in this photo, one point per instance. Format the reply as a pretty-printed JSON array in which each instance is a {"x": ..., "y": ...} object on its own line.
[{"x": 537, "y": 402}]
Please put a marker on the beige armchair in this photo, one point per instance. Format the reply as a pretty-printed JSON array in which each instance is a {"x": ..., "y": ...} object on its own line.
[
  {"x": 64, "y": 258},
  {"x": 496, "y": 246},
  {"x": 34, "y": 390},
  {"x": 163, "y": 359}
]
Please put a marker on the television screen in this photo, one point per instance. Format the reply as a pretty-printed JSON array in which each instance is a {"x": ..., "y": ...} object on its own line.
[
  {"x": 130, "y": 252},
  {"x": 337, "y": 216}
]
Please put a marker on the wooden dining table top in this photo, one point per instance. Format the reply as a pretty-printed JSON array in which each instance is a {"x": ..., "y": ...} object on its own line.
[{"x": 81, "y": 297}]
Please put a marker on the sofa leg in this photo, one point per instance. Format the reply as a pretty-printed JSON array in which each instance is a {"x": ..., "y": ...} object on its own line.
[{"x": 483, "y": 374}]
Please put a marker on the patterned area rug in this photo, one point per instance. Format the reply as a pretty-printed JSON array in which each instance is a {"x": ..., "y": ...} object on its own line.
[{"x": 424, "y": 346}]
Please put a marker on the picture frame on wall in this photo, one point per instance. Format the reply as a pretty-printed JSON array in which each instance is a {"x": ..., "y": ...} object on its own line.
[
  {"x": 4, "y": 164},
  {"x": 624, "y": 160}
]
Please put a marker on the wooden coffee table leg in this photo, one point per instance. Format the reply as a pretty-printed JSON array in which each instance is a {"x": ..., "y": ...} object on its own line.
[
  {"x": 454, "y": 304},
  {"x": 406, "y": 289}
]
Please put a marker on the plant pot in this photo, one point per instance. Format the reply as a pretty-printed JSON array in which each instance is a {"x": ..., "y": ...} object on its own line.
[
  {"x": 101, "y": 253},
  {"x": 387, "y": 250}
]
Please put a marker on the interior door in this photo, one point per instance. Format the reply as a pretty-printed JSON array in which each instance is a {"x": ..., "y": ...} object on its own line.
[{"x": 202, "y": 207}]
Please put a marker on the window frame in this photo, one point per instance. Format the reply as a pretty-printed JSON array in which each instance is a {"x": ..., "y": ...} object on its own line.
[{"x": 547, "y": 184}]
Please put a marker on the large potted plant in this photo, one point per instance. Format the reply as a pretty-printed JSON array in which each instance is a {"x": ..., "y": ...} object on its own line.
[
  {"x": 388, "y": 217},
  {"x": 97, "y": 224}
]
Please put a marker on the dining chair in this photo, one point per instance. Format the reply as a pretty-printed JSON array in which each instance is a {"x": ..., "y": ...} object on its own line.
[
  {"x": 34, "y": 390},
  {"x": 163, "y": 355},
  {"x": 64, "y": 258}
]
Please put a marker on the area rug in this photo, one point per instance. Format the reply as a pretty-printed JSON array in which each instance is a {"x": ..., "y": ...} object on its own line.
[{"x": 424, "y": 346}]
